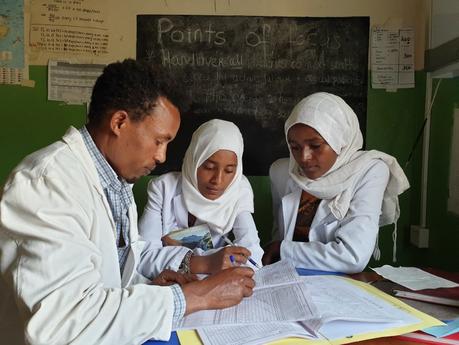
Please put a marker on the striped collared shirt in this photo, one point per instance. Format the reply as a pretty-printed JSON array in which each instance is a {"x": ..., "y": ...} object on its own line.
[{"x": 118, "y": 193}]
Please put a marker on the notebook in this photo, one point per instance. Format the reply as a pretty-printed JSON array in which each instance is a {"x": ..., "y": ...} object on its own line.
[{"x": 195, "y": 237}]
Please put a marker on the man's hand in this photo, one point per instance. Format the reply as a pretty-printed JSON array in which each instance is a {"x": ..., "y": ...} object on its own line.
[
  {"x": 169, "y": 277},
  {"x": 219, "y": 260},
  {"x": 272, "y": 253},
  {"x": 221, "y": 290}
]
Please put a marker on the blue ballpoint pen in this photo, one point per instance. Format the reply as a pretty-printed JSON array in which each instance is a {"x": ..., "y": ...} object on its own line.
[
  {"x": 252, "y": 261},
  {"x": 233, "y": 260}
]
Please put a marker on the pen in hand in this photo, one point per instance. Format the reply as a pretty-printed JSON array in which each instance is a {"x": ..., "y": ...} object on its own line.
[
  {"x": 252, "y": 261},
  {"x": 233, "y": 261}
]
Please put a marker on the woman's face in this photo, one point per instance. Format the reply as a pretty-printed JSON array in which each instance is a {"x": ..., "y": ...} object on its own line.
[
  {"x": 216, "y": 173},
  {"x": 312, "y": 153}
]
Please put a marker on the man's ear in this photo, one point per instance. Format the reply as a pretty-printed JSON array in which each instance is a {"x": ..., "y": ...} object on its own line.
[{"x": 118, "y": 121}]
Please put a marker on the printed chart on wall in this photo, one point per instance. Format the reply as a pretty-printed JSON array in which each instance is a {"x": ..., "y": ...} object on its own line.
[
  {"x": 253, "y": 70},
  {"x": 12, "y": 66}
]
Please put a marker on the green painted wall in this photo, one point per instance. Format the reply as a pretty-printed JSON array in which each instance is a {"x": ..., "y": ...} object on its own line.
[
  {"x": 444, "y": 226},
  {"x": 30, "y": 122},
  {"x": 394, "y": 118}
]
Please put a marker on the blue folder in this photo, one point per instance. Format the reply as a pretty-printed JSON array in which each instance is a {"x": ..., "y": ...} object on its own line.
[{"x": 172, "y": 341}]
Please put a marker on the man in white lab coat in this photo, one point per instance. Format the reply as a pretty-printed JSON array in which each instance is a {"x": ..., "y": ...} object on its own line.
[{"x": 69, "y": 244}]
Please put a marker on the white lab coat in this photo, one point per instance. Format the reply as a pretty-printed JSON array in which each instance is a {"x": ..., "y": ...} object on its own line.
[
  {"x": 166, "y": 211},
  {"x": 61, "y": 281},
  {"x": 342, "y": 245}
]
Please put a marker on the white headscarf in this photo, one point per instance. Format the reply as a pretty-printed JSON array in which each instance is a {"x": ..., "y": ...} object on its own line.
[
  {"x": 337, "y": 123},
  {"x": 220, "y": 213}
]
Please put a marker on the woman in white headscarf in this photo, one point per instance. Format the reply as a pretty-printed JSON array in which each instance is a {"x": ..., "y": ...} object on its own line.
[
  {"x": 212, "y": 190},
  {"x": 330, "y": 197}
]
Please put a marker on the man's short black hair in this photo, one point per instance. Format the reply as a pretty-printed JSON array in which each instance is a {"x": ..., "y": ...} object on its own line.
[{"x": 133, "y": 86}]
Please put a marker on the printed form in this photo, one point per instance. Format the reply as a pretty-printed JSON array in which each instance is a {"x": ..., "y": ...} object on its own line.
[
  {"x": 279, "y": 273},
  {"x": 254, "y": 334},
  {"x": 280, "y": 296},
  {"x": 71, "y": 82},
  {"x": 340, "y": 309}
]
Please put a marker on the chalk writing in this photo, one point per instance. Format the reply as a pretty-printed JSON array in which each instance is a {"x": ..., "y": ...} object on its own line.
[{"x": 253, "y": 70}]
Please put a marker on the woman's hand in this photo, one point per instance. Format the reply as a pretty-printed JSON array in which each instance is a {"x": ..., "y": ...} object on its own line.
[
  {"x": 272, "y": 253},
  {"x": 219, "y": 260}
]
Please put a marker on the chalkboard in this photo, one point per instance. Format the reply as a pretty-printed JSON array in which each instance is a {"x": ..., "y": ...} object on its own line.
[{"x": 253, "y": 70}]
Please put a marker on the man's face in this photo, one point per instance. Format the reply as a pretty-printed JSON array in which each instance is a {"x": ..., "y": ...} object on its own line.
[
  {"x": 141, "y": 145},
  {"x": 216, "y": 174},
  {"x": 312, "y": 153}
]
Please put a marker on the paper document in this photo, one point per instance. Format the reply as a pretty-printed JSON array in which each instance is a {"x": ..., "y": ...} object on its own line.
[
  {"x": 413, "y": 278},
  {"x": 392, "y": 58},
  {"x": 256, "y": 334},
  {"x": 71, "y": 82},
  {"x": 279, "y": 273},
  {"x": 347, "y": 310},
  {"x": 69, "y": 29},
  {"x": 342, "y": 308},
  {"x": 337, "y": 299},
  {"x": 279, "y": 295},
  {"x": 438, "y": 311},
  {"x": 280, "y": 303}
]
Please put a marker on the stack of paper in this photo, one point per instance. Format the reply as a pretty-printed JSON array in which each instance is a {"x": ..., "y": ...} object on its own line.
[
  {"x": 316, "y": 308},
  {"x": 414, "y": 278},
  {"x": 253, "y": 334},
  {"x": 417, "y": 284}
]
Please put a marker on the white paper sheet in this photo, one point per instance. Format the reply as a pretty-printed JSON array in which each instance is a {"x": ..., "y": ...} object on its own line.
[
  {"x": 347, "y": 310},
  {"x": 279, "y": 273},
  {"x": 281, "y": 303},
  {"x": 255, "y": 334},
  {"x": 392, "y": 58},
  {"x": 338, "y": 299},
  {"x": 413, "y": 278},
  {"x": 342, "y": 310}
]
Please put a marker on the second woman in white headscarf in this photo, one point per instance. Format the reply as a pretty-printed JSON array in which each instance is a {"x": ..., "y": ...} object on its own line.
[
  {"x": 217, "y": 203},
  {"x": 212, "y": 190},
  {"x": 330, "y": 197}
]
